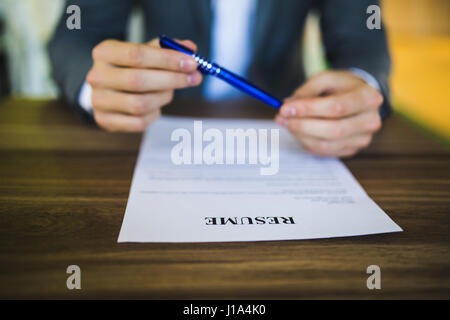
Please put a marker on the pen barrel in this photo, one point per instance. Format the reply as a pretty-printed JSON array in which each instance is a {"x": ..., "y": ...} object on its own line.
[
  {"x": 242, "y": 84},
  {"x": 207, "y": 67},
  {"x": 168, "y": 43}
]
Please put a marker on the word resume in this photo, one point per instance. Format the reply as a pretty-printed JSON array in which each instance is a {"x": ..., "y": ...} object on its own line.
[{"x": 306, "y": 197}]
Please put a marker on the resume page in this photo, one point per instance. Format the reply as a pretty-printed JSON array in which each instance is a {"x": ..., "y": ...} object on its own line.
[{"x": 220, "y": 180}]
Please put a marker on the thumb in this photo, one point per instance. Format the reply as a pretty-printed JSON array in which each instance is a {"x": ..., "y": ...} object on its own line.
[
  {"x": 319, "y": 84},
  {"x": 326, "y": 83},
  {"x": 187, "y": 43}
]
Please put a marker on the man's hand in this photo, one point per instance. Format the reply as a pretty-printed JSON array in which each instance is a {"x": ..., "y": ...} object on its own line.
[
  {"x": 335, "y": 113},
  {"x": 131, "y": 82}
]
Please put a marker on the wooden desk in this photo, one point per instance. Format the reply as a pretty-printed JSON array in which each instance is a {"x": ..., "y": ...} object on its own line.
[{"x": 64, "y": 187}]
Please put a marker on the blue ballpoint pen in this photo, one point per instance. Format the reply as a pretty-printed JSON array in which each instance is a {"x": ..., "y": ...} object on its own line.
[{"x": 210, "y": 68}]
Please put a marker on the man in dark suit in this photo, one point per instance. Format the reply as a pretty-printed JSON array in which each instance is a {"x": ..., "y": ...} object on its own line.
[{"x": 124, "y": 85}]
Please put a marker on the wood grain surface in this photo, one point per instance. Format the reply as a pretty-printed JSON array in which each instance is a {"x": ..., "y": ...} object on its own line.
[{"x": 64, "y": 187}]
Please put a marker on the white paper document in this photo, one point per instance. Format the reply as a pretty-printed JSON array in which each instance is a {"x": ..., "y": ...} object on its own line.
[{"x": 192, "y": 184}]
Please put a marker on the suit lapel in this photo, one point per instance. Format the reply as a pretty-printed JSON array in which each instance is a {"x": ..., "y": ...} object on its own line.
[
  {"x": 202, "y": 15},
  {"x": 262, "y": 23}
]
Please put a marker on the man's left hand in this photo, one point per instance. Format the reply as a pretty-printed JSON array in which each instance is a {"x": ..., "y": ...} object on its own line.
[{"x": 335, "y": 113}]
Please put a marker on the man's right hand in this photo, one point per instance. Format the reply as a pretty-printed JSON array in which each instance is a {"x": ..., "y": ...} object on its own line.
[{"x": 131, "y": 82}]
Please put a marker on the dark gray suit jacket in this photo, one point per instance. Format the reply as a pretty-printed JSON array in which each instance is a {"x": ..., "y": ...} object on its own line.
[{"x": 275, "y": 64}]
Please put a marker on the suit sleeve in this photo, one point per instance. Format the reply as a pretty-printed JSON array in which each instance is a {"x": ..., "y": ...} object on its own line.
[
  {"x": 70, "y": 50},
  {"x": 350, "y": 44}
]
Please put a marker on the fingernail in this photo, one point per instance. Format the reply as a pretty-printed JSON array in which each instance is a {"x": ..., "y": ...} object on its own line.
[
  {"x": 188, "y": 64},
  {"x": 281, "y": 121},
  {"x": 194, "y": 78},
  {"x": 288, "y": 111},
  {"x": 288, "y": 99}
]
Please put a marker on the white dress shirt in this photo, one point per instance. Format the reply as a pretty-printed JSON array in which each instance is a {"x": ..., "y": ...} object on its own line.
[
  {"x": 231, "y": 32},
  {"x": 230, "y": 43}
]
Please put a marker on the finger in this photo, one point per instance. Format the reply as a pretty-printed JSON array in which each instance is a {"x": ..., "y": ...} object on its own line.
[
  {"x": 348, "y": 153},
  {"x": 364, "y": 97},
  {"x": 368, "y": 122},
  {"x": 140, "y": 80},
  {"x": 138, "y": 55},
  {"x": 282, "y": 121},
  {"x": 343, "y": 147},
  {"x": 129, "y": 103},
  {"x": 154, "y": 43},
  {"x": 113, "y": 121}
]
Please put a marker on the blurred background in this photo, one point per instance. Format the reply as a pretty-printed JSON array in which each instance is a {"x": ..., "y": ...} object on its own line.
[{"x": 418, "y": 31}]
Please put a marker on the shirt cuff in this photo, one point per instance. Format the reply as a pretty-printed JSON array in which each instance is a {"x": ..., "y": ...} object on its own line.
[
  {"x": 85, "y": 97},
  {"x": 367, "y": 77}
]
